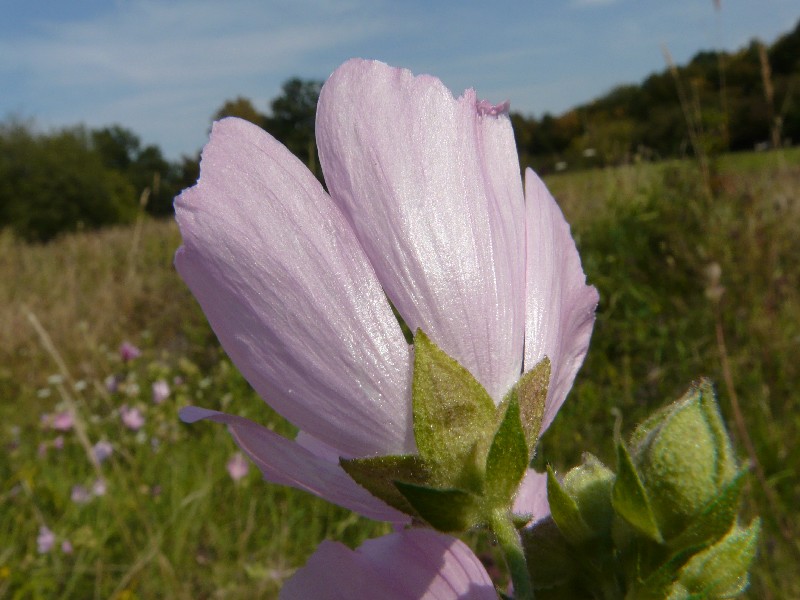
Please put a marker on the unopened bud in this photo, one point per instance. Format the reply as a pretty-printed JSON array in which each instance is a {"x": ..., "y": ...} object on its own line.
[
  {"x": 684, "y": 458},
  {"x": 590, "y": 486}
]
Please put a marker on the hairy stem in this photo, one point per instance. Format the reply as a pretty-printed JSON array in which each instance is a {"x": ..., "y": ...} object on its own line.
[{"x": 511, "y": 544}]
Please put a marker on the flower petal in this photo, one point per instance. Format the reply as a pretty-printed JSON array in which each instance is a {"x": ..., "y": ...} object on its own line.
[
  {"x": 291, "y": 295},
  {"x": 560, "y": 306},
  {"x": 285, "y": 462},
  {"x": 409, "y": 565},
  {"x": 531, "y": 498},
  {"x": 431, "y": 186}
]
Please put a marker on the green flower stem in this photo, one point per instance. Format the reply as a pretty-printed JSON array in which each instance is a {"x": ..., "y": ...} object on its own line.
[{"x": 511, "y": 544}]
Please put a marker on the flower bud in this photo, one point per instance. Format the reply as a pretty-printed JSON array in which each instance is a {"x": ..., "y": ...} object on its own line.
[
  {"x": 684, "y": 459},
  {"x": 590, "y": 486}
]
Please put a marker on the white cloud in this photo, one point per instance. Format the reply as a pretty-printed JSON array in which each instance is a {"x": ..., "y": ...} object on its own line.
[
  {"x": 147, "y": 43},
  {"x": 145, "y": 63}
]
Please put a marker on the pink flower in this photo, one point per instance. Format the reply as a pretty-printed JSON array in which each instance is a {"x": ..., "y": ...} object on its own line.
[
  {"x": 128, "y": 352},
  {"x": 427, "y": 208},
  {"x": 66, "y": 547},
  {"x": 112, "y": 383},
  {"x": 45, "y": 540},
  {"x": 62, "y": 421},
  {"x": 132, "y": 418},
  {"x": 99, "y": 487},
  {"x": 409, "y": 565},
  {"x": 160, "y": 391},
  {"x": 238, "y": 466},
  {"x": 102, "y": 450},
  {"x": 58, "y": 442},
  {"x": 80, "y": 495}
]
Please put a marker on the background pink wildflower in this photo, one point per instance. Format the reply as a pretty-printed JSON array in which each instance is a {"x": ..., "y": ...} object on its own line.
[
  {"x": 132, "y": 418},
  {"x": 238, "y": 466}
]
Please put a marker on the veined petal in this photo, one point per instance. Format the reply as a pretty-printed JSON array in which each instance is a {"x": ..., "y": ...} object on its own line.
[
  {"x": 559, "y": 305},
  {"x": 432, "y": 189},
  {"x": 286, "y": 462},
  {"x": 409, "y": 565},
  {"x": 291, "y": 295},
  {"x": 531, "y": 498}
]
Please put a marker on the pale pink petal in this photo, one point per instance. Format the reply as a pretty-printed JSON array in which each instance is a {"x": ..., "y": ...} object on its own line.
[
  {"x": 409, "y": 565},
  {"x": 237, "y": 466},
  {"x": 45, "y": 540},
  {"x": 291, "y": 295},
  {"x": 286, "y": 462},
  {"x": 531, "y": 498},
  {"x": 560, "y": 306},
  {"x": 432, "y": 188}
]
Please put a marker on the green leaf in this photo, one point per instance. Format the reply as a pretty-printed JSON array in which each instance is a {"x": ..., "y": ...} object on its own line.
[
  {"x": 715, "y": 520},
  {"x": 379, "y": 474},
  {"x": 507, "y": 459},
  {"x": 565, "y": 512},
  {"x": 448, "y": 510},
  {"x": 657, "y": 585},
  {"x": 721, "y": 571},
  {"x": 531, "y": 393},
  {"x": 452, "y": 411},
  {"x": 629, "y": 498}
]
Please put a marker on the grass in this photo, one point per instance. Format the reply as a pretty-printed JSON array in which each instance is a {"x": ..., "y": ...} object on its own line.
[{"x": 172, "y": 523}]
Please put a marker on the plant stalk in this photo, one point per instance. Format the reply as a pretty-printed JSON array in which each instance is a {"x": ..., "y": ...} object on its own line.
[{"x": 511, "y": 544}]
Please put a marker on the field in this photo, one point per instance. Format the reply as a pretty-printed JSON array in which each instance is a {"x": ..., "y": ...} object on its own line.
[{"x": 697, "y": 277}]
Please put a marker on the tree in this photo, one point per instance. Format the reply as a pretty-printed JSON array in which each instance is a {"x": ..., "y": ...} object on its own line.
[
  {"x": 292, "y": 118},
  {"x": 145, "y": 168},
  {"x": 58, "y": 182},
  {"x": 242, "y": 108}
]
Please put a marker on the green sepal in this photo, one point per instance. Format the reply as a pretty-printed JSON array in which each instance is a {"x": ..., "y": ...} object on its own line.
[
  {"x": 452, "y": 411},
  {"x": 629, "y": 498},
  {"x": 507, "y": 460},
  {"x": 379, "y": 474},
  {"x": 448, "y": 510},
  {"x": 531, "y": 393},
  {"x": 715, "y": 520},
  {"x": 725, "y": 457},
  {"x": 565, "y": 512},
  {"x": 550, "y": 560},
  {"x": 720, "y": 571}
]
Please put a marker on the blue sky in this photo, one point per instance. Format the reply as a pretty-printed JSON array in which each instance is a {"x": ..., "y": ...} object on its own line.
[{"x": 163, "y": 68}]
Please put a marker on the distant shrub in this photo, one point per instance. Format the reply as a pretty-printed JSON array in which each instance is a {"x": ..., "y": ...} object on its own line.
[{"x": 57, "y": 182}]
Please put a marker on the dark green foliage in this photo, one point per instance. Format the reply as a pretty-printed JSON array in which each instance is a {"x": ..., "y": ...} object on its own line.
[
  {"x": 55, "y": 183},
  {"x": 75, "y": 178},
  {"x": 293, "y": 117},
  {"x": 144, "y": 167}
]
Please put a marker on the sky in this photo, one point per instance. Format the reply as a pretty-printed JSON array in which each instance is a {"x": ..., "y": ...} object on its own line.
[{"x": 163, "y": 68}]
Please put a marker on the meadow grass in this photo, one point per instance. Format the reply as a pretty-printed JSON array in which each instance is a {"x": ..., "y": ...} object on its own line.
[{"x": 692, "y": 284}]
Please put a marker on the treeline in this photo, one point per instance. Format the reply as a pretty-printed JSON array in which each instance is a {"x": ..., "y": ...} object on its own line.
[
  {"x": 78, "y": 178},
  {"x": 75, "y": 177},
  {"x": 718, "y": 102}
]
